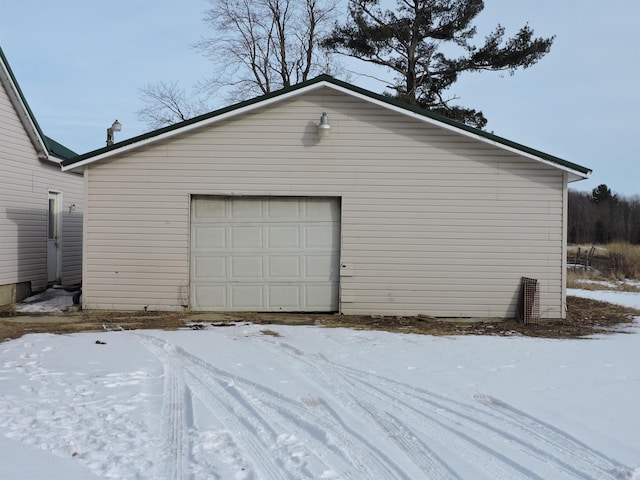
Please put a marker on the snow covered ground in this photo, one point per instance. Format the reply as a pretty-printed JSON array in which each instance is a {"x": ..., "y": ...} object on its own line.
[
  {"x": 234, "y": 403},
  {"x": 53, "y": 300},
  {"x": 627, "y": 299}
]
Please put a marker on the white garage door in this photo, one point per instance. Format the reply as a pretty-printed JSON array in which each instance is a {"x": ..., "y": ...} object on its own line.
[{"x": 265, "y": 254}]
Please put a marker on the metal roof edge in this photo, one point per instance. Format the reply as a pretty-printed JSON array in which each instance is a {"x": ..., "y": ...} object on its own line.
[
  {"x": 450, "y": 124},
  {"x": 58, "y": 150},
  {"x": 192, "y": 123},
  {"x": 329, "y": 81}
]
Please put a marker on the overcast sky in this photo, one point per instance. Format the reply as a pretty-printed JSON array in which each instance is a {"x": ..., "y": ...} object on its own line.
[{"x": 81, "y": 63}]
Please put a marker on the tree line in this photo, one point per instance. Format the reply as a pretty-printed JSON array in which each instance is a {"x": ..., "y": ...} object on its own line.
[{"x": 601, "y": 217}]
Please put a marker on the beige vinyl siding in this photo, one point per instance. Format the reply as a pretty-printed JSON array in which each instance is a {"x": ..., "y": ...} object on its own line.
[
  {"x": 24, "y": 185},
  {"x": 433, "y": 222}
]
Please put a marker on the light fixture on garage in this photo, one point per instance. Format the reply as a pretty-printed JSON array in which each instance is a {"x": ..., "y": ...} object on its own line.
[
  {"x": 115, "y": 127},
  {"x": 324, "y": 128}
]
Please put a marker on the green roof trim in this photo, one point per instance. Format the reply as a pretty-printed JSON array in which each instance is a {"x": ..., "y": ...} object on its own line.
[
  {"x": 346, "y": 86},
  {"x": 461, "y": 126},
  {"x": 50, "y": 144},
  {"x": 59, "y": 150}
]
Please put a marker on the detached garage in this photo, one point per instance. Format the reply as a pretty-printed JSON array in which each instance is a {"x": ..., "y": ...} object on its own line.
[{"x": 324, "y": 197}]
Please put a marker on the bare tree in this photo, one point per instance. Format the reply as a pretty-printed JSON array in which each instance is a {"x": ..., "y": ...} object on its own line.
[
  {"x": 259, "y": 46},
  {"x": 166, "y": 104},
  {"x": 264, "y": 45}
]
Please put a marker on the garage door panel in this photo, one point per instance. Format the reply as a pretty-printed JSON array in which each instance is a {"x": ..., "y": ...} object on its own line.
[
  {"x": 265, "y": 253},
  {"x": 209, "y": 268},
  {"x": 320, "y": 267},
  {"x": 246, "y": 297},
  {"x": 283, "y": 267},
  {"x": 283, "y": 236},
  {"x": 285, "y": 297},
  {"x": 246, "y": 209},
  {"x": 246, "y": 237},
  {"x": 213, "y": 295},
  {"x": 316, "y": 295},
  {"x": 278, "y": 209},
  {"x": 209, "y": 237},
  {"x": 246, "y": 268},
  {"x": 210, "y": 210},
  {"x": 320, "y": 236}
]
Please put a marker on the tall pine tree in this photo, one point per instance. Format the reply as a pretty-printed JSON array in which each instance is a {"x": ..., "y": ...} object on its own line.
[{"x": 415, "y": 42}]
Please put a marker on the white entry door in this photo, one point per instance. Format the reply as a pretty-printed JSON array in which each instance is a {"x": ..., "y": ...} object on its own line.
[
  {"x": 53, "y": 238},
  {"x": 265, "y": 254}
]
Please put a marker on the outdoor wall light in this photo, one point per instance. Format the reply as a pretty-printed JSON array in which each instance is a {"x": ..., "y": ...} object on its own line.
[
  {"x": 115, "y": 127},
  {"x": 324, "y": 128}
]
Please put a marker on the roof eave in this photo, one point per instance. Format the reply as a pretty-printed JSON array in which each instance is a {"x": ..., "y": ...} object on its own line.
[
  {"x": 575, "y": 172},
  {"x": 178, "y": 129},
  {"x": 579, "y": 172},
  {"x": 577, "y": 176}
]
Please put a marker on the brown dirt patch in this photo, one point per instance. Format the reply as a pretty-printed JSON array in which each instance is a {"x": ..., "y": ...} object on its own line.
[
  {"x": 15, "y": 326},
  {"x": 584, "y": 317}
]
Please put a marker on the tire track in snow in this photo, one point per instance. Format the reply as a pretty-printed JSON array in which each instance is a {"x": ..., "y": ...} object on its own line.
[
  {"x": 366, "y": 460},
  {"x": 355, "y": 456},
  {"x": 354, "y": 453},
  {"x": 557, "y": 438},
  {"x": 552, "y": 445},
  {"x": 249, "y": 433},
  {"x": 175, "y": 412},
  {"x": 447, "y": 430},
  {"x": 334, "y": 444},
  {"x": 476, "y": 453},
  {"x": 340, "y": 447},
  {"x": 420, "y": 454},
  {"x": 443, "y": 431},
  {"x": 244, "y": 424},
  {"x": 430, "y": 463},
  {"x": 576, "y": 461}
]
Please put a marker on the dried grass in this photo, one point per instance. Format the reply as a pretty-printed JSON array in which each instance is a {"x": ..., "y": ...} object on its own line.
[
  {"x": 629, "y": 269},
  {"x": 576, "y": 277},
  {"x": 631, "y": 254},
  {"x": 593, "y": 280}
]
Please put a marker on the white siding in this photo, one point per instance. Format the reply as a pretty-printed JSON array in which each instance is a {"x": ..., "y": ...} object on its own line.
[
  {"x": 24, "y": 185},
  {"x": 432, "y": 222}
]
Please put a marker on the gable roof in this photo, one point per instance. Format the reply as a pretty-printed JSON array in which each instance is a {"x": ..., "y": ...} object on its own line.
[
  {"x": 576, "y": 172},
  {"x": 45, "y": 146}
]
